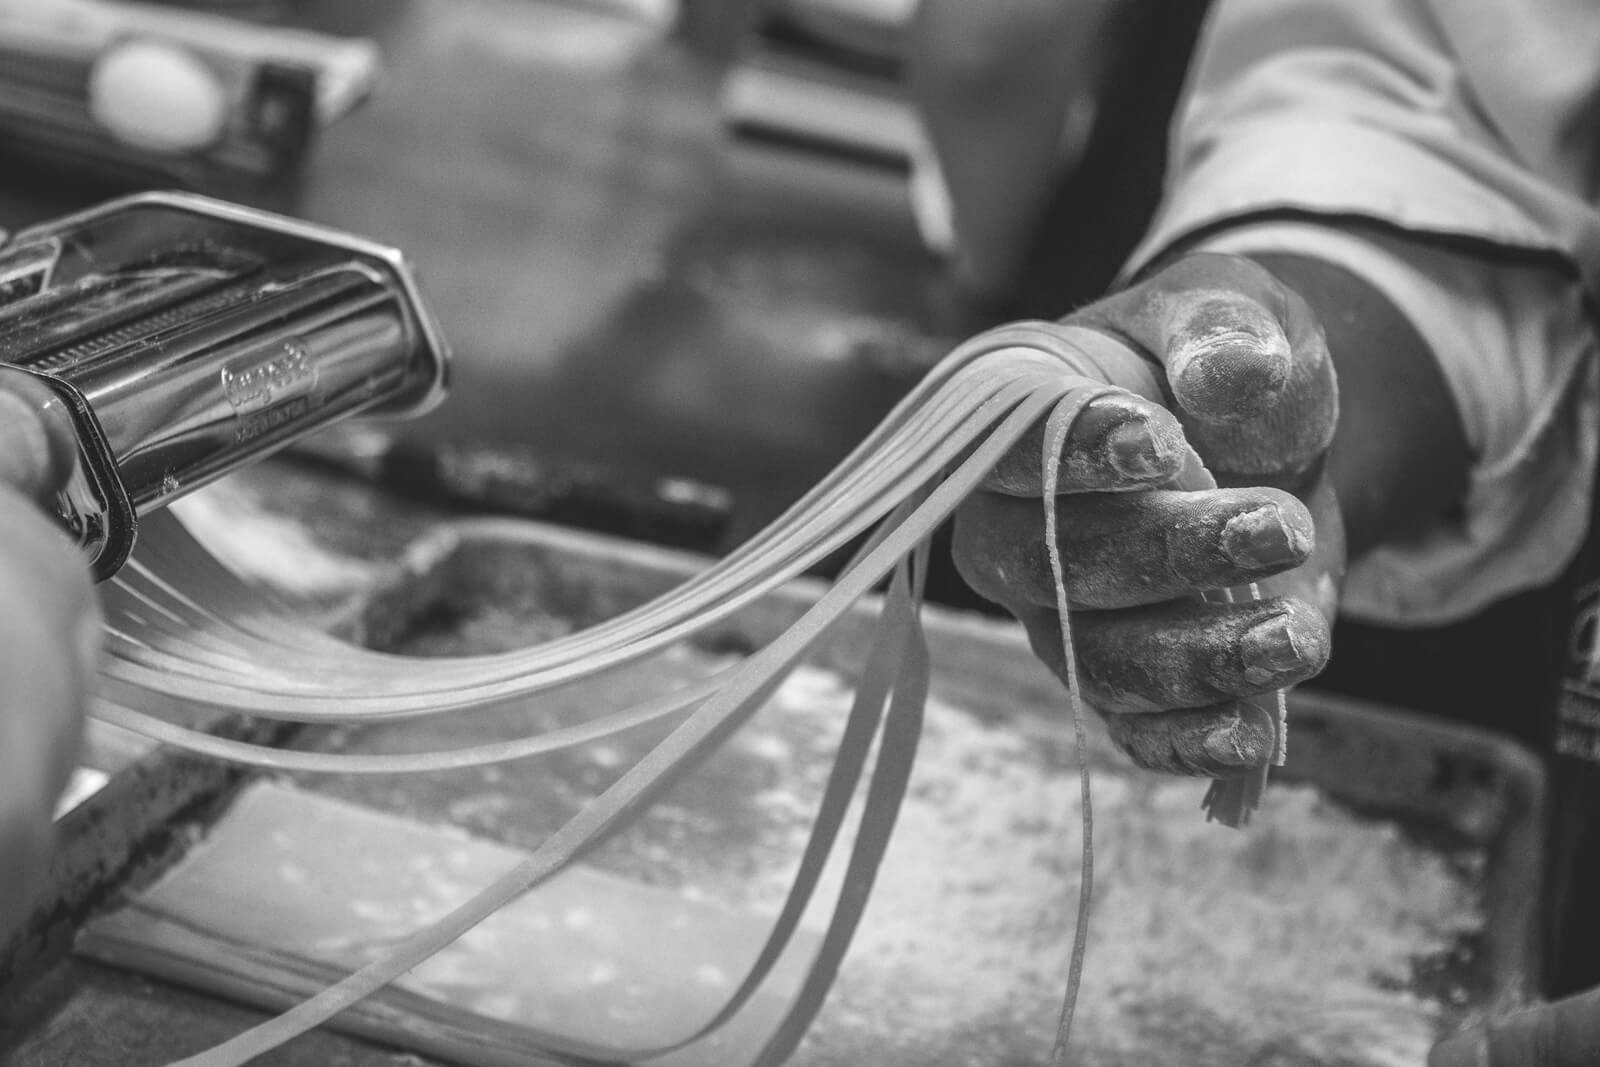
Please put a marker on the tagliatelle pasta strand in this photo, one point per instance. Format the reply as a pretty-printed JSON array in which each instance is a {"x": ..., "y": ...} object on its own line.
[{"x": 183, "y": 628}]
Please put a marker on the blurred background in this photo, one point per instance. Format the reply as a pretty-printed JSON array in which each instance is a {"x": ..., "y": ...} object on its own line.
[{"x": 677, "y": 246}]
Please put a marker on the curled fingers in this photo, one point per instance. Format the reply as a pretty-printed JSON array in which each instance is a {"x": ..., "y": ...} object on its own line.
[{"x": 1126, "y": 549}]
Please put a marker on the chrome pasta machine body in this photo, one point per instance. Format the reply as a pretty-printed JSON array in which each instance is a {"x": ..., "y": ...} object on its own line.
[{"x": 188, "y": 336}]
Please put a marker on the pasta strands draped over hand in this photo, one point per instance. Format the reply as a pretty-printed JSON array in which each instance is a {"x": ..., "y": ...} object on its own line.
[{"x": 182, "y": 628}]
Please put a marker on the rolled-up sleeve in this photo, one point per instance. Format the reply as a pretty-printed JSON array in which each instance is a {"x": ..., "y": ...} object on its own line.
[{"x": 1334, "y": 129}]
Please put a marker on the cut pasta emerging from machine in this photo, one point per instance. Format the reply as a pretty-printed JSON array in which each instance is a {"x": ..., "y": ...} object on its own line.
[{"x": 190, "y": 336}]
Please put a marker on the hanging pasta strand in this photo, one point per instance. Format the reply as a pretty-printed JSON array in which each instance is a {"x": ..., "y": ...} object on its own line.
[
  {"x": 1055, "y": 436},
  {"x": 183, "y": 629}
]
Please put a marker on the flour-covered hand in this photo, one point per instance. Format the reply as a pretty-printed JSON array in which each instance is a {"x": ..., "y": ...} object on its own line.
[{"x": 1249, "y": 390}]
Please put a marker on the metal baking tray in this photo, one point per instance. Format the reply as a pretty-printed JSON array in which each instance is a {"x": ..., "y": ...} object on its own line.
[{"x": 491, "y": 584}]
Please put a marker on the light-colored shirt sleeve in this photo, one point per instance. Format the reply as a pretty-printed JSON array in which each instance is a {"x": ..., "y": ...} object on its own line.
[{"x": 1474, "y": 125}]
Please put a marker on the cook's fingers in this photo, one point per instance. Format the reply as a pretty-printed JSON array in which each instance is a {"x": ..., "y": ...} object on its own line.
[
  {"x": 1221, "y": 741},
  {"x": 1224, "y": 741},
  {"x": 1186, "y": 653},
  {"x": 1117, "y": 442},
  {"x": 1246, "y": 361},
  {"x": 1124, "y": 549}
]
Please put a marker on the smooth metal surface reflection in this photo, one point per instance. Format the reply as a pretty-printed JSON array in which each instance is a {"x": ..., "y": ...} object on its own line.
[{"x": 191, "y": 336}]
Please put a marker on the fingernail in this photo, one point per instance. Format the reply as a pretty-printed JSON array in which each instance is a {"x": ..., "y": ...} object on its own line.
[
  {"x": 1134, "y": 451},
  {"x": 1269, "y": 650},
  {"x": 1229, "y": 357},
  {"x": 1261, "y": 538},
  {"x": 1237, "y": 744},
  {"x": 1231, "y": 373}
]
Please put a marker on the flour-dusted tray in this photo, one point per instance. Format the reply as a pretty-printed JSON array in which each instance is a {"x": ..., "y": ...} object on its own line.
[{"x": 962, "y": 954}]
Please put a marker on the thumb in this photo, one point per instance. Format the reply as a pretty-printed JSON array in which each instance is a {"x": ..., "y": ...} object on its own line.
[{"x": 1246, "y": 363}]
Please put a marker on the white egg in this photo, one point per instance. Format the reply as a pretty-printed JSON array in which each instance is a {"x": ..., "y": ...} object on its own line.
[{"x": 158, "y": 96}]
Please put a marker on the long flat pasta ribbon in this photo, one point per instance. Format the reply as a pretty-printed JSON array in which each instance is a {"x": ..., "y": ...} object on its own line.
[{"x": 182, "y": 628}]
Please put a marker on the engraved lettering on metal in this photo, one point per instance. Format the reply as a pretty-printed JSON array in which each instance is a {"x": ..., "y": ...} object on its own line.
[
  {"x": 256, "y": 386},
  {"x": 262, "y": 422}
]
